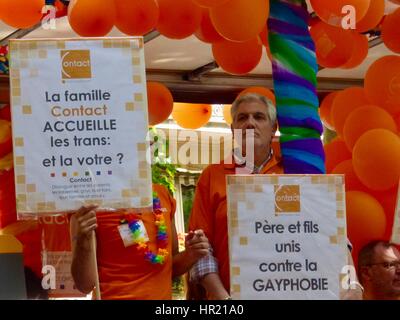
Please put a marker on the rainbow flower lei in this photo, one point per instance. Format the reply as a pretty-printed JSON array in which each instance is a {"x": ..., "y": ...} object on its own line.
[{"x": 162, "y": 237}]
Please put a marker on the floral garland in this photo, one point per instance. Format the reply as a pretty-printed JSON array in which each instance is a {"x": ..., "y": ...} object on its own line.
[{"x": 162, "y": 237}]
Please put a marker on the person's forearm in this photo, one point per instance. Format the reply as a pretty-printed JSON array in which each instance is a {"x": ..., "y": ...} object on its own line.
[
  {"x": 214, "y": 287},
  {"x": 83, "y": 268},
  {"x": 181, "y": 263}
]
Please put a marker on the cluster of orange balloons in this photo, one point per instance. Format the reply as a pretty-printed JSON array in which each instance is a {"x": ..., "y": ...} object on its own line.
[
  {"x": 236, "y": 49},
  {"x": 367, "y": 149},
  {"x": 333, "y": 12},
  {"x": 338, "y": 47},
  {"x": 337, "y": 36},
  {"x": 96, "y": 18}
]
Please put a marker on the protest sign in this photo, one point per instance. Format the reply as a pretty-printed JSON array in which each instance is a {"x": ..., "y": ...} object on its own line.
[
  {"x": 287, "y": 236},
  {"x": 79, "y": 113}
]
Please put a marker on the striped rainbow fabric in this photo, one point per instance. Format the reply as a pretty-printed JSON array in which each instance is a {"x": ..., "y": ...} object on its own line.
[{"x": 295, "y": 70}]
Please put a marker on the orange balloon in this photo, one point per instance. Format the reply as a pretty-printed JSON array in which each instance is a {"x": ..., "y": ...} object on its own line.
[
  {"x": 227, "y": 113},
  {"x": 264, "y": 39},
  {"x": 5, "y": 138},
  {"x": 391, "y": 31},
  {"x": 21, "y": 13},
  {"x": 5, "y": 112},
  {"x": 332, "y": 11},
  {"x": 366, "y": 220},
  {"x": 190, "y": 115},
  {"x": 325, "y": 110},
  {"x": 237, "y": 20},
  {"x": 351, "y": 180},
  {"x": 91, "y": 18},
  {"x": 264, "y": 36},
  {"x": 206, "y": 31},
  {"x": 62, "y": 9},
  {"x": 261, "y": 91},
  {"x": 376, "y": 159},
  {"x": 382, "y": 83},
  {"x": 178, "y": 18},
  {"x": 344, "y": 103},
  {"x": 374, "y": 15},
  {"x": 237, "y": 57},
  {"x": 397, "y": 120},
  {"x": 335, "y": 153},
  {"x": 160, "y": 102},
  {"x": 209, "y": 3},
  {"x": 334, "y": 46},
  {"x": 387, "y": 199},
  {"x": 360, "y": 51},
  {"x": 364, "y": 119},
  {"x": 136, "y": 17}
]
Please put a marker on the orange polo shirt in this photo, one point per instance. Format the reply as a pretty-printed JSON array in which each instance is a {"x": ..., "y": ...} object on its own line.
[
  {"x": 123, "y": 272},
  {"x": 210, "y": 211}
]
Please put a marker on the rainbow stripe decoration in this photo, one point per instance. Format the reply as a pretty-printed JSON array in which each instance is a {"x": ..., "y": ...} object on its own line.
[{"x": 295, "y": 70}]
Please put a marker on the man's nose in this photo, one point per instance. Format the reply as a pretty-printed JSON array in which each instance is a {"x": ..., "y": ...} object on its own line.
[{"x": 250, "y": 123}]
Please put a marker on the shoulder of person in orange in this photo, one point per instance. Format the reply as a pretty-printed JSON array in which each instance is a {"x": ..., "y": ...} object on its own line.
[
  {"x": 123, "y": 272},
  {"x": 210, "y": 207}
]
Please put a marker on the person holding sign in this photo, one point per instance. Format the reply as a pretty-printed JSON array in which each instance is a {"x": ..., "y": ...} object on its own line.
[
  {"x": 137, "y": 254},
  {"x": 254, "y": 116},
  {"x": 379, "y": 271}
]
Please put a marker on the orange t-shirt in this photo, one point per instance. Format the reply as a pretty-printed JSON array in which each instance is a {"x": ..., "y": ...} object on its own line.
[
  {"x": 210, "y": 212},
  {"x": 123, "y": 272}
]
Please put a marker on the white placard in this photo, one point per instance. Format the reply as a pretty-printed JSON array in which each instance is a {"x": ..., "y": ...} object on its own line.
[
  {"x": 79, "y": 112},
  {"x": 287, "y": 236}
]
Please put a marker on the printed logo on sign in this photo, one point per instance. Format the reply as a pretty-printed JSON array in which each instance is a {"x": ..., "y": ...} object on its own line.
[
  {"x": 76, "y": 64},
  {"x": 287, "y": 199}
]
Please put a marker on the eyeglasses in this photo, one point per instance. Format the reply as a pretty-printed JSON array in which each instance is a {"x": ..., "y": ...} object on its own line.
[{"x": 387, "y": 265}]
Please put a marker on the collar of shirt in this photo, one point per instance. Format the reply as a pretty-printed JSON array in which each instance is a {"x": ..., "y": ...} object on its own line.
[{"x": 238, "y": 161}]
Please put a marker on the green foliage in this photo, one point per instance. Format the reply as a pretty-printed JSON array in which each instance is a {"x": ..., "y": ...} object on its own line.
[
  {"x": 163, "y": 171},
  {"x": 164, "y": 174},
  {"x": 187, "y": 203},
  {"x": 329, "y": 135}
]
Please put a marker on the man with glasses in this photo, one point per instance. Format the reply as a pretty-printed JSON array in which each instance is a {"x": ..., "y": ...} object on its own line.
[{"x": 379, "y": 271}]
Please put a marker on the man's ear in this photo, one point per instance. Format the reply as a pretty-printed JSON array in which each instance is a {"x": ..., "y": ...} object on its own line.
[
  {"x": 274, "y": 129},
  {"x": 365, "y": 274}
]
